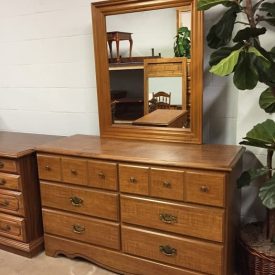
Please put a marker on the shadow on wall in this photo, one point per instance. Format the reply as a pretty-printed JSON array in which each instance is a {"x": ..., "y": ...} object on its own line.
[{"x": 252, "y": 209}]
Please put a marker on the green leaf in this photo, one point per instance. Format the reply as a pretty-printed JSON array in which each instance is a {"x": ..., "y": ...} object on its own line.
[
  {"x": 267, "y": 193},
  {"x": 207, "y": 4},
  {"x": 262, "y": 134},
  {"x": 248, "y": 176},
  {"x": 246, "y": 75},
  {"x": 222, "y": 53},
  {"x": 247, "y": 33},
  {"x": 266, "y": 71},
  {"x": 220, "y": 34},
  {"x": 269, "y": 8},
  {"x": 267, "y": 101},
  {"x": 226, "y": 65},
  {"x": 270, "y": 21}
]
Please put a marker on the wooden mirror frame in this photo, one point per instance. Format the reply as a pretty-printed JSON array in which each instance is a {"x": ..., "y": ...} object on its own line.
[{"x": 114, "y": 7}]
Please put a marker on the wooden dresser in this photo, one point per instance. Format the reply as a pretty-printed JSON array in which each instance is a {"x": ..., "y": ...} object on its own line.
[
  {"x": 138, "y": 207},
  {"x": 21, "y": 228}
]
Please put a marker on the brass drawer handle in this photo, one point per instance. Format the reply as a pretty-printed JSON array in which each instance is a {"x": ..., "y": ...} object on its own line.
[
  {"x": 204, "y": 189},
  {"x": 133, "y": 180},
  {"x": 74, "y": 171},
  {"x": 78, "y": 229},
  {"x": 167, "y": 218},
  {"x": 75, "y": 201},
  {"x": 4, "y": 203},
  {"x": 101, "y": 175},
  {"x": 166, "y": 184},
  {"x": 3, "y": 181},
  {"x": 1, "y": 164},
  {"x": 7, "y": 228},
  {"x": 167, "y": 250},
  {"x": 48, "y": 168}
]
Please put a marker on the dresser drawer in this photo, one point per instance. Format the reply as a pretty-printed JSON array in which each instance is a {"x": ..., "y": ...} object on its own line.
[
  {"x": 205, "y": 188},
  {"x": 195, "y": 255},
  {"x": 102, "y": 174},
  {"x": 167, "y": 184},
  {"x": 80, "y": 200},
  {"x": 11, "y": 202},
  {"x": 10, "y": 181},
  {"x": 74, "y": 171},
  {"x": 49, "y": 167},
  {"x": 134, "y": 179},
  {"x": 12, "y": 227},
  {"x": 8, "y": 165},
  {"x": 195, "y": 221},
  {"x": 81, "y": 228}
]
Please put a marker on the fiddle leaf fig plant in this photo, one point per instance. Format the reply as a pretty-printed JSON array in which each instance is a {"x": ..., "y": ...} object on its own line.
[
  {"x": 182, "y": 46},
  {"x": 243, "y": 56}
]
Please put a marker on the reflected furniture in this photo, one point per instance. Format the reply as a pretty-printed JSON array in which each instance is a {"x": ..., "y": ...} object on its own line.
[
  {"x": 138, "y": 207},
  {"x": 117, "y": 37},
  {"x": 161, "y": 100},
  {"x": 21, "y": 228},
  {"x": 163, "y": 118}
]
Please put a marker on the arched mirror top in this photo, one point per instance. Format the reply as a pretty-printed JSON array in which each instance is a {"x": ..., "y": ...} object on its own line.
[{"x": 144, "y": 91}]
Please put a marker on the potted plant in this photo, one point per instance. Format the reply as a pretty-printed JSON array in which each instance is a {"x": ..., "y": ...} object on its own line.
[
  {"x": 182, "y": 46},
  {"x": 250, "y": 63}
]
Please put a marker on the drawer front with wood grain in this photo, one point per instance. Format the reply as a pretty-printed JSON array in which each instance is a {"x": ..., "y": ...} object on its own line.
[
  {"x": 11, "y": 202},
  {"x": 49, "y": 167},
  {"x": 195, "y": 221},
  {"x": 8, "y": 165},
  {"x": 102, "y": 174},
  {"x": 80, "y": 200},
  {"x": 12, "y": 227},
  {"x": 10, "y": 181},
  {"x": 167, "y": 184},
  {"x": 74, "y": 170},
  {"x": 81, "y": 228},
  {"x": 195, "y": 255},
  {"x": 134, "y": 179},
  {"x": 205, "y": 188}
]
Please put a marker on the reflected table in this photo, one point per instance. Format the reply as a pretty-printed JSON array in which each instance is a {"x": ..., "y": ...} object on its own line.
[{"x": 163, "y": 118}]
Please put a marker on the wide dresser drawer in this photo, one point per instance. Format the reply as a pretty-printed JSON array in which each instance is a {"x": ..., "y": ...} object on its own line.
[
  {"x": 8, "y": 165},
  {"x": 195, "y": 255},
  {"x": 81, "y": 228},
  {"x": 12, "y": 227},
  {"x": 10, "y": 181},
  {"x": 80, "y": 200},
  {"x": 195, "y": 221},
  {"x": 11, "y": 202}
]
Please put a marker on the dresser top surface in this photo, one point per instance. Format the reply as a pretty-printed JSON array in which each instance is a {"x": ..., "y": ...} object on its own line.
[
  {"x": 206, "y": 156},
  {"x": 16, "y": 145}
]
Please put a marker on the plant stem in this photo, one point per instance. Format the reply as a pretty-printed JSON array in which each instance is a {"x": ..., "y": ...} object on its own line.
[{"x": 250, "y": 13}]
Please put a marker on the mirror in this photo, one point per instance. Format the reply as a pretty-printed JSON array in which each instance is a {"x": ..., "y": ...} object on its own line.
[{"x": 135, "y": 62}]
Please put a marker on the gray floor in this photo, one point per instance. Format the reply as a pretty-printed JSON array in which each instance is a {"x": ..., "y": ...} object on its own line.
[{"x": 12, "y": 264}]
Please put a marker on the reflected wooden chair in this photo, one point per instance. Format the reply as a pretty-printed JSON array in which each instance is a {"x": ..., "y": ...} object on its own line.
[{"x": 160, "y": 100}]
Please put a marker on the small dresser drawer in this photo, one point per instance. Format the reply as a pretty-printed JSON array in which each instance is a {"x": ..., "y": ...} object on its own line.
[
  {"x": 8, "y": 165},
  {"x": 167, "y": 184},
  {"x": 80, "y": 200},
  {"x": 10, "y": 181},
  {"x": 12, "y": 227},
  {"x": 11, "y": 202},
  {"x": 49, "y": 167},
  {"x": 81, "y": 228},
  {"x": 74, "y": 171},
  {"x": 195, "y": 255},
  {"x": 102, "y": 174},
  {"x": 134, "y": 179},
  {"x": 195, "y": 221},
  {"x": 205, "y": 188}
]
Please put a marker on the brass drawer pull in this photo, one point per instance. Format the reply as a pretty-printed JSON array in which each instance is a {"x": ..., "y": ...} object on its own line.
[
  {"x": 1, "y": 165},
  {"x": 166, "y": 184},
  {"x": 75, "y": 201},
  {"x": 6, "y": 228},
  {"x": 167, "y": 250},
  {"x": 3, "y": 181},
  {"x": 133, "y": 180},
  {"x": 48, "y": 168},
  {"x": 101, "y": 175},
  {"x": 167, "y": 218},
  {"x": 78, "y": 229},
  {"x": 204, "y": 189},
  {"x": 4, "y": 203},
  {"x": 74, "y": 172}
]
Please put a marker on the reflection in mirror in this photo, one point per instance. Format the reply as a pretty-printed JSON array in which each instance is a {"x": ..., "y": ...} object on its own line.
[{"x": 131, "y": 90}]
